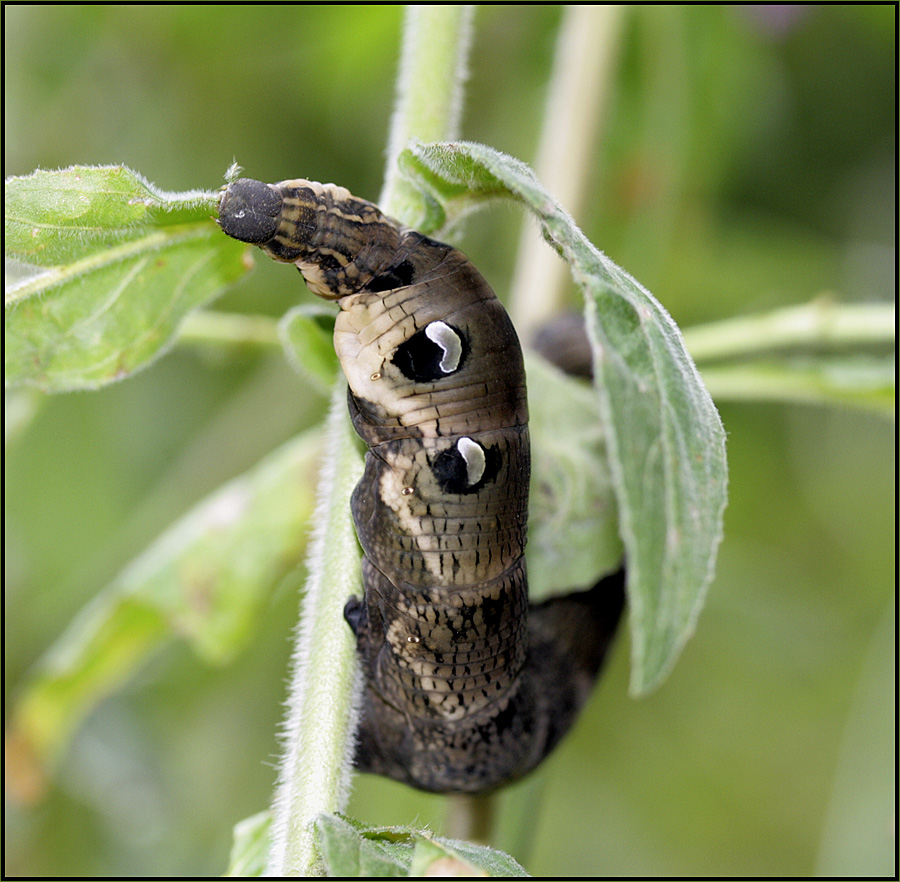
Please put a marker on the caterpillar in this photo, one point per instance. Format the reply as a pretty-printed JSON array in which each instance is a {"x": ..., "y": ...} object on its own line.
[{"x": 468, "y": 686}]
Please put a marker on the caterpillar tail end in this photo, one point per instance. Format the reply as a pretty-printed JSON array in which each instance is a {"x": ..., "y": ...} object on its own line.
[{"x": 569, "y": 640}]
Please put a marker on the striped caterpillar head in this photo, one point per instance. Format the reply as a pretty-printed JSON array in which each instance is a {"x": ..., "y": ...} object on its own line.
[{"x": 340, "y": 243}]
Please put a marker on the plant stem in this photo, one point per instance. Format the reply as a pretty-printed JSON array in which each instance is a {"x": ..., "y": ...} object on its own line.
[
  {"x": 576, "y": 103},
  {"x": 776, "y": 356},
  {"x": 820, "y": 322},
  {"x": 856, "y": 383},
  {"x": 470, "y": 817},
  {"x": 436, "y": 40},
  {"x": 325, "y": 684},
  {"x": 210, "y": 326}
]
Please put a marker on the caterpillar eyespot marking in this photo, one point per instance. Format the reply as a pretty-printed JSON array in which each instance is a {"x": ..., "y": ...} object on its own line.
[
  {"x": 431, "y": 354},
  {"x": 488, "y": 684}
]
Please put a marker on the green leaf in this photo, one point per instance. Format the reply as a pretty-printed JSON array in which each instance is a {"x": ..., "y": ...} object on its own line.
[
  {"x": 352, "y": 849},
  {"x": 438, "y": 856},
  {"x": 347, "y": 850},
  {"x": 107, "y": 267},
  {"x": 205, "y": 579},
  {"x": 451, "y": 192},
  {"x": 250, "y": 846},
  {"x": 307, "y": 334},
  {"x": 573, "y": 525},
  {"x": 665, "y": 441}
]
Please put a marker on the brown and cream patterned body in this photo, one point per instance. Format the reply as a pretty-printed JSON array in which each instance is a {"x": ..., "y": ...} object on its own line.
[{"x": 466, "y": 687}]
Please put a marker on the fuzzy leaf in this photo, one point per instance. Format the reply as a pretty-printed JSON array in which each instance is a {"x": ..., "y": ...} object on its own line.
[
  {"x": 104, "y": 268},
  {"x": 250, "y": 846},
  {"x": 307, "y": 334},
  {"x": 573, "y": 528},
  {"x": 352, "y": 849}
]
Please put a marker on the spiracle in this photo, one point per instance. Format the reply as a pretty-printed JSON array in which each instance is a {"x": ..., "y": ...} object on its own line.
[{"x": 468, "y": 686}]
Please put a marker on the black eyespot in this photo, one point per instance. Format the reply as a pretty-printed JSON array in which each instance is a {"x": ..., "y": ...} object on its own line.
[
  {"x": 249, "y": 211},
  {"x": 433, "y": 353},
  {"x": 466, "y": 467}
]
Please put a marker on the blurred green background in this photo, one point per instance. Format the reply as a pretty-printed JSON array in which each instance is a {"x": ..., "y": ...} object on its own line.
[{"x": 747, "y": 162}]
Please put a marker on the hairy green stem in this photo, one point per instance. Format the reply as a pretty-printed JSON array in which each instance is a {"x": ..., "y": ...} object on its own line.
[
  {"x": 436, "y": 40},
  {"x": 318, "y": 736}
]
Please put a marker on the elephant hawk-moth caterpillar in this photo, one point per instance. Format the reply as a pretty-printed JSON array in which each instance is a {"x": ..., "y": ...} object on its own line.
[{"x": 467, "y": 686}]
